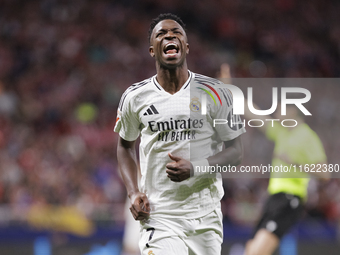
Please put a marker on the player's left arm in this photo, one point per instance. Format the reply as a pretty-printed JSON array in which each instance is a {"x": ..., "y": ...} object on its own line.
[
  {"x": 182, "y": 169},
  {"x": 232, "y": 154}
]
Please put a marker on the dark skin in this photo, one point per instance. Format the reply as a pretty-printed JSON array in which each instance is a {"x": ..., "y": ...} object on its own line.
[
  {"x": 172, "y": 73},
  {"x": 182, "y": 169},
  {"x": 128, "y": 166},
  {"x": 172, "y": 69}
]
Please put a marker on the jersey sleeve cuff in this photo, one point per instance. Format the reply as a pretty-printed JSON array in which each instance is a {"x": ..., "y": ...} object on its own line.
[{"x": 200, "y": 167}]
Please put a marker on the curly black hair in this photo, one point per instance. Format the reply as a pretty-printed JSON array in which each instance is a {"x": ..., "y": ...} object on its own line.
[{"x": 164, "y": 16}]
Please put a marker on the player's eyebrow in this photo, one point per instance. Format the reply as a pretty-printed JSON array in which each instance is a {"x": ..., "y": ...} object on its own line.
[{"x": 165, "y": 30}]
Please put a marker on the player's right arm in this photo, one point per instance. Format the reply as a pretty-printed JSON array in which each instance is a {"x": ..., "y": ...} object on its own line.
[
  {"x": 128, "y": 167},
  {"x": 127, "y": 126}
]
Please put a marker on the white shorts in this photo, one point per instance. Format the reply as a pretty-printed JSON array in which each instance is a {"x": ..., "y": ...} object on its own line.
[{"x": 201, "y": 236}]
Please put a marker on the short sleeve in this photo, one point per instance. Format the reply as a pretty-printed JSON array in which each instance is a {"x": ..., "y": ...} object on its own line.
[
  {"x": 227, "y": 125},
  {"x": 127, "y": 121},
  {"x": 314, "y": 150}
]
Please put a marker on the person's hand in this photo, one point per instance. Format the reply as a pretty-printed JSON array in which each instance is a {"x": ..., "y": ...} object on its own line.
[
  {"x": 140, "y": 206},
  {"x": 179, "y": 170},
  {"x": 225, "y": 71}
]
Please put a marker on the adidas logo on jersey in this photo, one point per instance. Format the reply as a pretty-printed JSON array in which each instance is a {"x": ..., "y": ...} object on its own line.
[{"x": 151, "y": 110}]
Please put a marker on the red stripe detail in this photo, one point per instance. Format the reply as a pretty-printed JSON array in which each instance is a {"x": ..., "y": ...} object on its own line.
[{"x": 213, "y": 91}]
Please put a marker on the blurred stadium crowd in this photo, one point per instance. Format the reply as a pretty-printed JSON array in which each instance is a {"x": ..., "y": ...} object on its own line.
[{"x": 64, "y": 65}]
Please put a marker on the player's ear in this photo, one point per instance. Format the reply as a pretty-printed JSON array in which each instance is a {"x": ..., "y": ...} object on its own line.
[
  {"x": 152, "y": 54},
  {"x": 187, "y": 48}
]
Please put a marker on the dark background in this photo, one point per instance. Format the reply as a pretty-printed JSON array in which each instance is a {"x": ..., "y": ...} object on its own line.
[{"x": 63, "y": 67}]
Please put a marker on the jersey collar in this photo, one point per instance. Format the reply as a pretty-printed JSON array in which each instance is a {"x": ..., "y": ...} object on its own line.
[{"x": 185, "y": 85}]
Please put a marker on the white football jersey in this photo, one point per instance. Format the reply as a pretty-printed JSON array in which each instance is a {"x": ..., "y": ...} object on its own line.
[{"x": 174, "y": 123}]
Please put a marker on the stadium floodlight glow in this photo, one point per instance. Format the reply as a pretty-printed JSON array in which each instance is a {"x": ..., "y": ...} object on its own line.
[{"x": 238, "y": 100}]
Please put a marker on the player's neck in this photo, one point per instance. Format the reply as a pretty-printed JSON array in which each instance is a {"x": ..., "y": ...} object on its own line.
[{"x": 172, "y": 80}]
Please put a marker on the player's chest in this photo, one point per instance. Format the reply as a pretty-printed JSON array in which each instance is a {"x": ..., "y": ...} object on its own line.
[{"x": 170, "y": 112}]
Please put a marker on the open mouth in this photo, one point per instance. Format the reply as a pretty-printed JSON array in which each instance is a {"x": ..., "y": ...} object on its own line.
[{"x": 171, "y": 49}]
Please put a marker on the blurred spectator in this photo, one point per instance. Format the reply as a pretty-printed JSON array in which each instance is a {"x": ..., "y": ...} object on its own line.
[{"x": 65, "y": 64}]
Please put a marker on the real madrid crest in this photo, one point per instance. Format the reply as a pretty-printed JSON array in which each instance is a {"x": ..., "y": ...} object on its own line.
[
  {"x": 151, "y": 252},
  {"x": 195, "y": 104}
]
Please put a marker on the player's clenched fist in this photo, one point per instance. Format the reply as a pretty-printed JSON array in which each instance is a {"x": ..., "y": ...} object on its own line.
[
  {"x": 140, "y": 207},
  {"x": 179, "y": 170}
]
